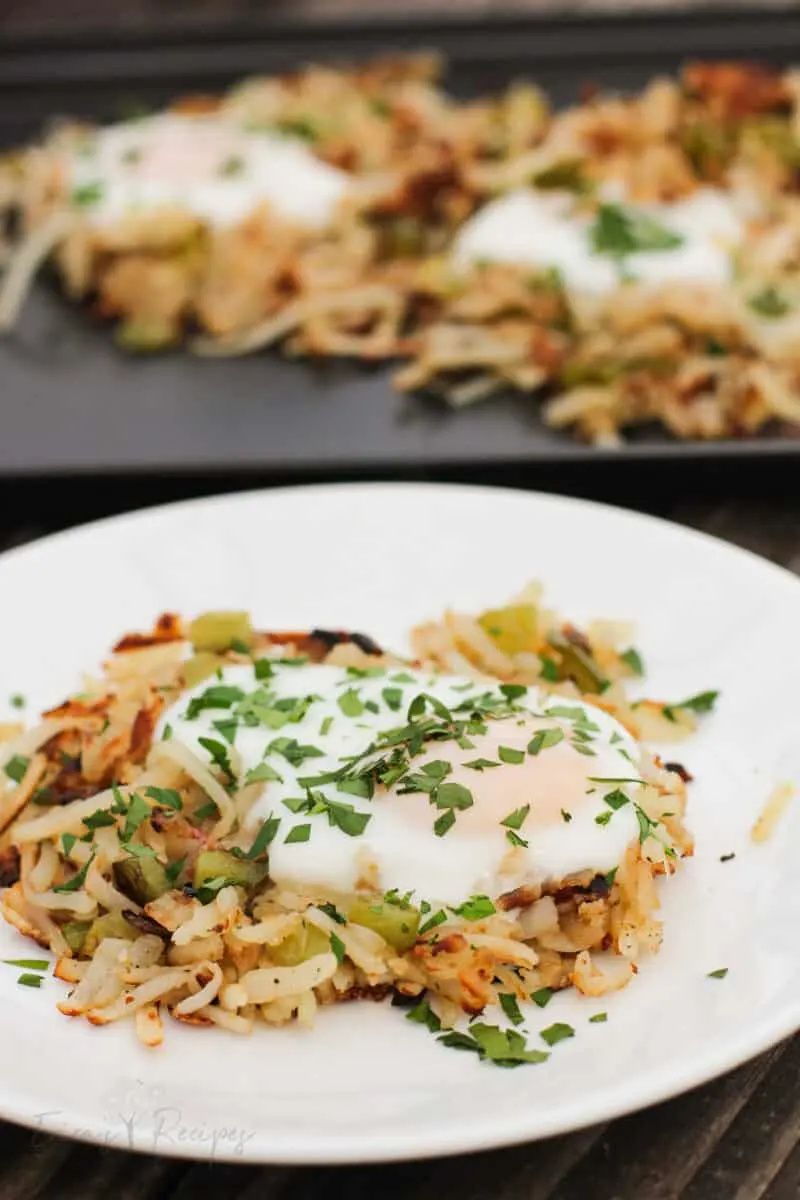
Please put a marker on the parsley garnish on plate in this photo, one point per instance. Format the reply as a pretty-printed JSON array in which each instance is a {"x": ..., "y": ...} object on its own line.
[
  {"x": 32, "y": 981},
  {"x": 502, "y": 1047},
  {"x": 720, "y": 973},
  {"x": 510, "y": 1007},
  {"x": 558, "y": 1032}
]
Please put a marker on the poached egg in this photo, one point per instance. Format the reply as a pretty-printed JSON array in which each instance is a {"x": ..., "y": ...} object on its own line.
[
  {"x": 545, "y": 229},
  {"x": 211, "y": 166},
  {"x": 438, "y": 785}
]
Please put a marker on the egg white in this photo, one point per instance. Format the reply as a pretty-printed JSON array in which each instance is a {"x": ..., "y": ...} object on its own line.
[
  {"x": 210, "y": 166},
  {"x": 543, "y": 230},
  {"x": 398, "y": 847}
]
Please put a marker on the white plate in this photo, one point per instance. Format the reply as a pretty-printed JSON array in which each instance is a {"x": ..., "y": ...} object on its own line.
[{"x": 366, "y": 1084}]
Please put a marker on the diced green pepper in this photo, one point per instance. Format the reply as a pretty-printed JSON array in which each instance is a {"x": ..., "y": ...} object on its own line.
[
  {"x": 200, "y": 666},
  {"x": 221, "y": 864},
  {"x": 569, "y": 175},
  {"x": 110, "y": 925},
  {"x": 217, "y": 631},
  {"x": 304, "y": 943},
  {"x": 513, "y": 629},
  {"x": 143, "y": 879},
  {"x": 74, "y": 933},
  {"x": 141, "y": 335},
  {"x": 395, "y": 924},
  {"x": 578, "y": 666}
]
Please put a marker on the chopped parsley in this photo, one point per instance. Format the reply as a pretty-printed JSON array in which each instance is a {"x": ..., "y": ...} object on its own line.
[
  {"x": 475, "y": 908},
  {"x": 603, "y": 818},
  {"x": 769, "y": 303},
  {"x": 619, "y": 232},
  {"x": 566, "y": 817},
  {"x": 212, "y": 887},
  {"x": 292, "y": 751},
  {"x": 508, "y": 754},
  {"x": 263, "y": 773},
  {"x": 703, "y": 702},
  {"x": 173, "y": 870},
  {"x": 77, "y": 881},
  {"x": 727, "y": 857},
  {"x": 337, "y": 946},
  {"x": 517, "y": 818},
  {"x": 720, "y": 973},
  {"x": 232, "y": 166},
  {"x": 549, "y": 669},
  {"x": 616, "y": 799},
  {"x": 27, "y": 964},
  {"x": 264, "y": 837},
  {"x": 544, "y": 739},
  {"x": 633, "y": 659},
  {"x": 99, "y": 820},
  {"x": 503, "y": 1047},
  {"x": 598, "y": 1018},
  {"x": 325, "y": 727},
  {"x": 444, "y": 823},
  {"x": 556, "y": 1033},
  {"x": 543, "y": 997},
  {"x": 332, "y": 911},
  {"x": 87, "y": 194},
  {"x": 610, "y": 876},
  {"x": 34, "y": 981},
  {"x": 206, "y": 811},
  {"x": 165, "y": 798},
  {"x": 219, "y": 696},
  {"x": 227, "y": 729},
  {"x": 646, "y": 824},
  {"x": 438, "y": 918},
  {"x": 481, "y": 764},
  {"x": 17, "y": 701},
  {"x": 515, "y": 839},
  {"x": 350, "y": 703},
  {"x": 298, "y": 833},
  {"x": 68, "y": 841},
  {"x": 138, "y": 811},
  {"x": 393, "y": 698},
  {"x": 423, "y": 1014},
  {"x": 452, "y": 795},
  {"x": 510, "y": 1007},
  {"x": 16, "y": 767}
]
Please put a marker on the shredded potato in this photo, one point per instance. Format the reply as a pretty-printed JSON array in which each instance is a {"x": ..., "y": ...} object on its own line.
[
  {"x": 380, "y": 282},
  {"x": 108, "y": 876}
]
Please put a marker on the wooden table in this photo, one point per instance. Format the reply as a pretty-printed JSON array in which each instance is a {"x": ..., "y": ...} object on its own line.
[{"x": 736, "y": 1139}]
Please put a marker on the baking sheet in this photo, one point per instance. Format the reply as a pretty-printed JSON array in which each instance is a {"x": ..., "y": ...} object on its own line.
[{"x": 70, "y": 401}]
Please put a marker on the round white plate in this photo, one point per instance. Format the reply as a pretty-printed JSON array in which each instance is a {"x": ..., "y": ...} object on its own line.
[{"x": 366, "y": 1084}]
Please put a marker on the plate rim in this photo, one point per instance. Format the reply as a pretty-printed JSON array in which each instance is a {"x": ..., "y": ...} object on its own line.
[{"x": 627, "y": 1096}]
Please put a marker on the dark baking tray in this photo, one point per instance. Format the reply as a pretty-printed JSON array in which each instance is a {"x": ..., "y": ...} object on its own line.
[{"x": 70, "y": 402}]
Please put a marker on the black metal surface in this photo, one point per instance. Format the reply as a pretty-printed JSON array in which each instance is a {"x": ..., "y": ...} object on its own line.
[{"x": 71, "y": 402}]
